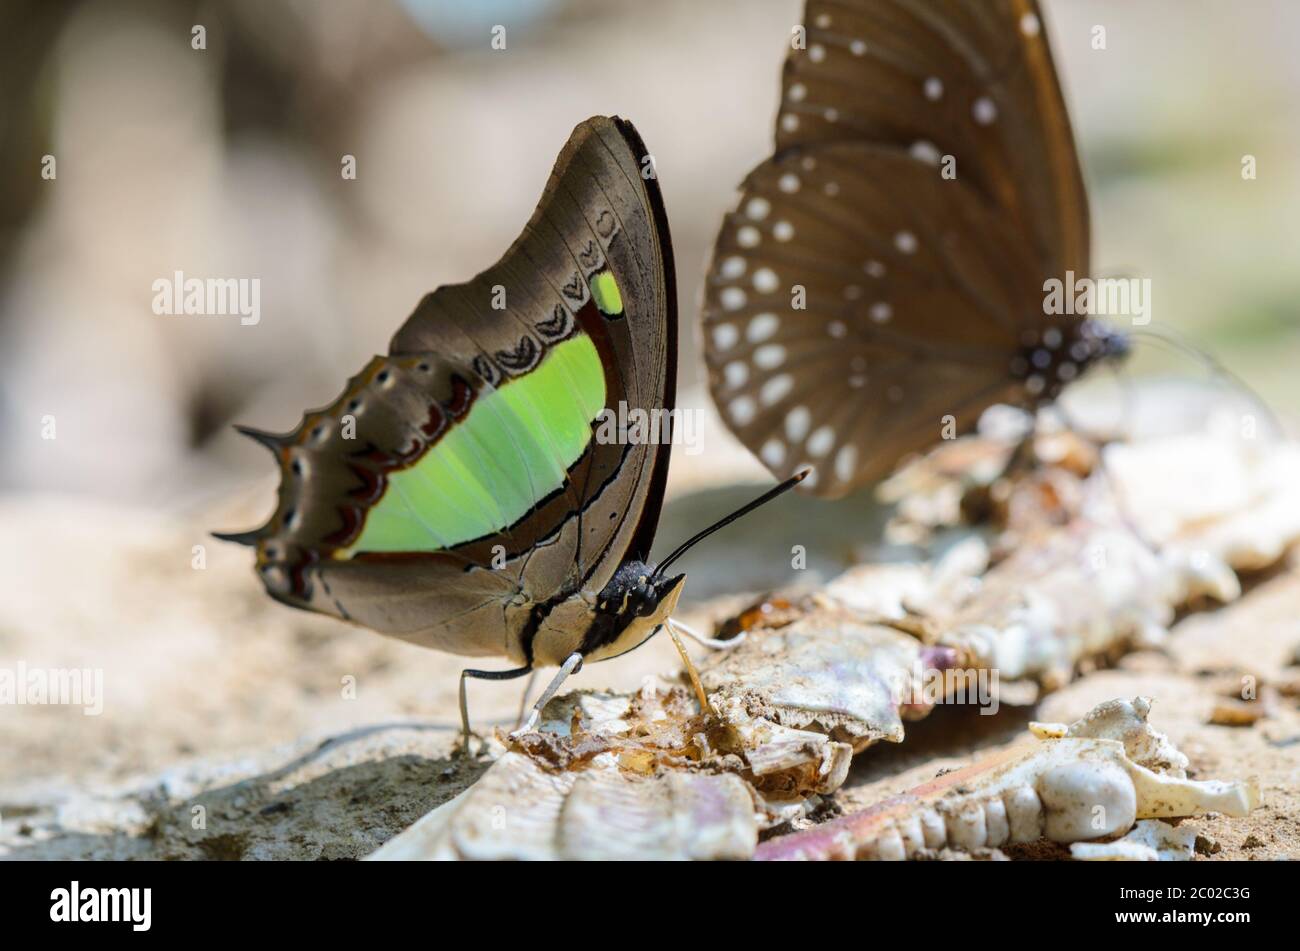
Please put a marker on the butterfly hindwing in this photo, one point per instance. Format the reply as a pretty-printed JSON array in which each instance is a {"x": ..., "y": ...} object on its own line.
[{"x": 829, "y": 316}]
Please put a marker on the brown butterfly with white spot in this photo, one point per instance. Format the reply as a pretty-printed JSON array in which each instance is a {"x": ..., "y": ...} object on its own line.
[{"x": 884, "y": 272}]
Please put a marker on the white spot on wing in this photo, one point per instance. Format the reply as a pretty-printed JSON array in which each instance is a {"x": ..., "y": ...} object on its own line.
[
  {"x": 732, "y": 267},
  {"x": 732, "y": 298},
  {"x": 766, "y": 281},
  {"x": 933, "y": 89},
  {"x": 748, "y": 237},
  {"x": 775, "y": 389},
  {"x": 725, "y": 336},
  {"x": 796, "y": 423},
  {"x": 761, "y": 327},
  {"x": 783, "y": 231},
  {"x": 788, "y": 183},
  {"x": 742, "y": 410},
  {"x": 769, "y": 356},
  {"x": 846, "y": 461},
  {"x": 821, "y": 441},
  {"x": 925, "y": 151},
  {"x": 773, "y": 452},
  {"x": 905, "y": 241},
  {"x": 984, "y": 110},
  {"x": 757, "y": 208}
]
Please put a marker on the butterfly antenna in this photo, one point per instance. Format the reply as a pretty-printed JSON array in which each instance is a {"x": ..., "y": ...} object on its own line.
[
  {"x": 744, "y": 510},
  {"x": 1215, "y": 367}
]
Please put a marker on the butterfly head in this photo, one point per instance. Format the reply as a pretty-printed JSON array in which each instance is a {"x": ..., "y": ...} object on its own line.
[
  {"x": 1050, "y": 359},
  {"x": 630, "y": 608},
  {"x": 1111, "y": 344},
  {"x": 636, "y": 591}
]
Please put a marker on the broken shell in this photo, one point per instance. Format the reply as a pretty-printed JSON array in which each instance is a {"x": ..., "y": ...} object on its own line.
[
  {"x": 1072, "y": 787},
  {"x": 829, "y": 671},
  {"x": 1062, "y": 597},
  {"x": 1149, "y": 841},
  {"x": 518, "y": 810}
]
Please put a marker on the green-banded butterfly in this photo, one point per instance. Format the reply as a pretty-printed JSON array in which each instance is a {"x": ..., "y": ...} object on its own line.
[
  {"x": 885, "y": 271},
  {"x": 456, "y": 494}
]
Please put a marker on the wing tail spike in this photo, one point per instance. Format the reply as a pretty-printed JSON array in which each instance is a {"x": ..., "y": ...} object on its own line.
[
  {"x": 271, "y": 441},
  {"x": 250, "y": 537}
]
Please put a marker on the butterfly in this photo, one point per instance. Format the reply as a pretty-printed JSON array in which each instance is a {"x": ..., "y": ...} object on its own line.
[
  {"x": 456, "y": 495},
  {"x": 882, "y": 276}
]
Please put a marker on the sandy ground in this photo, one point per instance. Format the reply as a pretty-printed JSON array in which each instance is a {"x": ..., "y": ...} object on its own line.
[{"x": 229, "y": 728}]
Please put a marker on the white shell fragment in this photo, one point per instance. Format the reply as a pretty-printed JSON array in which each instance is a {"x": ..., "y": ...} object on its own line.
[
  {"x": 830, "y": 671},
  {"x": 1091, "y": 780},
  {"x": 1070, "y": 594},
  {"x": 1150, "y": 841},
  {"x": 519, "y": 810},
  {"x": 1093, "y": 562}
]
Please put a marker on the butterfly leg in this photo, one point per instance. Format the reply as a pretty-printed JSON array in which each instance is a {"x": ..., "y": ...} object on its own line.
[
  {"x": 523, "y": 699},
  {"x": 465, "y": 732},
  {"x": 572, "y": 664},
  {"x": 691, "y": 672}
]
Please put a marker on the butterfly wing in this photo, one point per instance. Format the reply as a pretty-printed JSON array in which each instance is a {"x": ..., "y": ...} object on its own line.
[
  {"x": 856, "y": 300},
  {"x": 458, "y": 484},
  {"x": 973, "y": 79},
  {"x": 860, "y": 300}
]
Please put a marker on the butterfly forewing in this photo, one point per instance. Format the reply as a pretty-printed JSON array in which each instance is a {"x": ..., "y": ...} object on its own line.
[{"x": 970, "y": 79}]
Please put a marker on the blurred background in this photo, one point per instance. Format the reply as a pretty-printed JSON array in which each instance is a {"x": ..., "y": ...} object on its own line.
[{"x": 226, "y": 162}]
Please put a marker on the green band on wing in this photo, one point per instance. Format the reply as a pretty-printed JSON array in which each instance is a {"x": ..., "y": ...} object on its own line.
[
  {"x": 512, "y": 450},
  {"x": 605, "y": 292}
]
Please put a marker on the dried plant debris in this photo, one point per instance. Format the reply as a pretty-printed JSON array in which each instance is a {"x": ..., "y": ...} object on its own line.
[
  {"x": 1088, "y": 561},
  {"x": 1215, "y": 494},
  {"x": 1091, "y": 780},
  {"x": 642, "y": 776},
  {"x": 1073, "y": 593},
  {"x": 828, "y": 671}
]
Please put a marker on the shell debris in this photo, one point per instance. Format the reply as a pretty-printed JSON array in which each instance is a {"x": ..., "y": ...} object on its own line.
[
  {"x": 1094, "y": 779},
  {"x": 1066, "y": 578}
]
